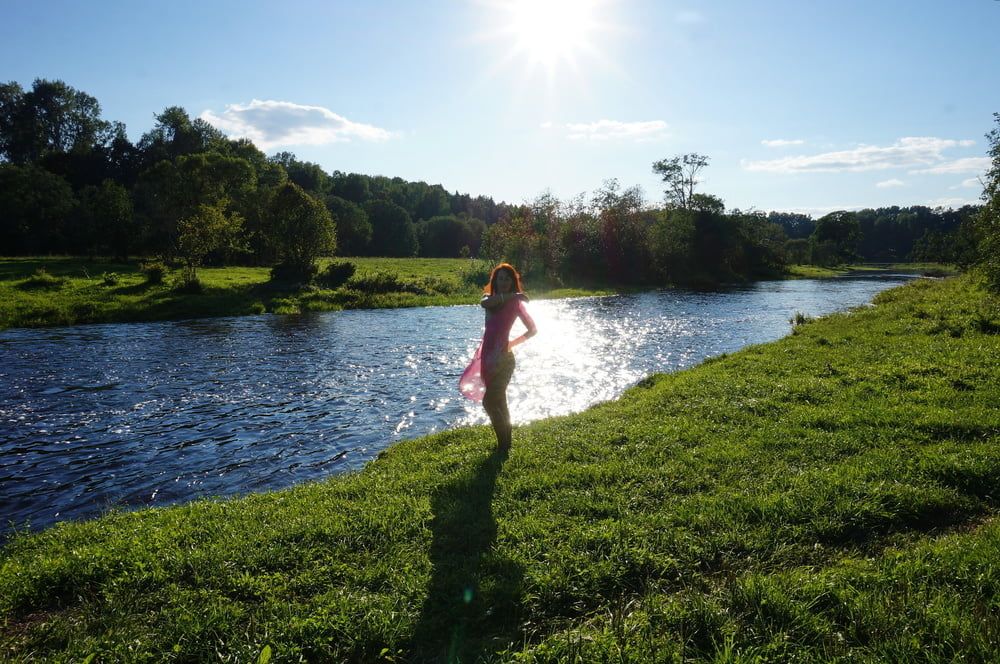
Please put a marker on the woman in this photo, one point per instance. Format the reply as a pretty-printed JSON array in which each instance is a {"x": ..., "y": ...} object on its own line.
[{"x": 489, "y": 372}]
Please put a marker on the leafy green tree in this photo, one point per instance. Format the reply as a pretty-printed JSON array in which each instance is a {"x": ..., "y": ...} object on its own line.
[
  {"x": 34, "y": 207},
  {"x": 107, "y": 220},
  {"x": 354, "y": 231},
  {"x": 680, "y": 175},
  {"x": 302, "y": 230},
  {"x": 393, "y": 233},
  {"x": 835, "y": 238},
  {"x": 175, "y": 135},
  {"x": 307, "y": 175},
  {"x": 352, "y": 187},
  {"x": 174, "y": 190},
  {"x": 988, "y": 221},
  {"x": 52, "y": 117},
  {"x": 208, "y": 230}
]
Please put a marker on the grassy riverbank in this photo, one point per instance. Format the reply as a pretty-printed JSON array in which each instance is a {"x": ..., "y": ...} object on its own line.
[
  {"x": 832, "y": 495},
  {"x": 73, "y": 290}
]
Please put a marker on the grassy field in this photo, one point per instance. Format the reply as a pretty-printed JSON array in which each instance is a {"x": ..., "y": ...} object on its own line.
[
  {"x": 829, "y": 496},
  {"x": 78, "y": 291},
  {"x": 75, "y": 290}
]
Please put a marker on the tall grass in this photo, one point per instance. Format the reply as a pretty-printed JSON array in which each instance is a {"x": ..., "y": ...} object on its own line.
[{"x": 830, "y": 496}]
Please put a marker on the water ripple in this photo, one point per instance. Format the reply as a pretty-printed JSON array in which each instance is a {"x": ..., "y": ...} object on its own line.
[{"x": 100, "y": 416}]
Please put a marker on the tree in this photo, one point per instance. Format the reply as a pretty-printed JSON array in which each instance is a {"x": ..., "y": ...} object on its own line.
[
  {"x": 50, "y": 118},
  {"x": 106, "y": 219},
  {"x": 302, "y": 230},
  {"x": 680, "y": 174},
  {"x": 34, "y": 207},
  {"x": 393, "y": 234},
  {"x": 988, "y": 221},
  {"x": 209, "y": 229},
  {"x": 835, "y": 238},
  {"x": 354, "y": 231},
  {"x": 174, "y": 190}
]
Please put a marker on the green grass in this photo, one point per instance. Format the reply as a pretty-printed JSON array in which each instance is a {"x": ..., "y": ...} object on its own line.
[
  {"x": 73, "y": 290},
  {"x": 831, "y": 496}
]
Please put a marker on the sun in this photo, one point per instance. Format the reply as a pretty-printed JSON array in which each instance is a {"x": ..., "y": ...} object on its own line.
[{"x": 550, "y": 33}]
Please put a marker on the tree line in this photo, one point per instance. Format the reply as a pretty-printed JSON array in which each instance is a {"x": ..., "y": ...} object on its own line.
[{"x": 72, "y": 182}]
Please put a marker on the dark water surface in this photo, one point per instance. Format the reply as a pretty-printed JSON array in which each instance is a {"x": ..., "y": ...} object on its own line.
[{"x": 100, "y": 416}]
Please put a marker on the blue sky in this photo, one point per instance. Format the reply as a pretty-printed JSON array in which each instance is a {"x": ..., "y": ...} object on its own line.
[{"x": 808, "y": 106}]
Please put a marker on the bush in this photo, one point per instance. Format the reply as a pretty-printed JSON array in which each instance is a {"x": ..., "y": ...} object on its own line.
[
  {"x": 336, "y": 274},
  {"x": 188, "y": 282},
  {"x": 41, "y": 279},
  {"x": 386, "y": 282},
  {"x": 110, "y": 278},
  {"x": 300, "y": 273},
  {"x": 154, "y": 271},
  {"x": 476, "y": 274}
]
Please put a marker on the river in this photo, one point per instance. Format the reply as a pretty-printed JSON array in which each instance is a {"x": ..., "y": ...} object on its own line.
[{"x": 123, "y": 415}]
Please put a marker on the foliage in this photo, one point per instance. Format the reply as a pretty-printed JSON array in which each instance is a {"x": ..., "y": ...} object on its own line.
[
  {"x": 110, "y": 278},
  {"x": 154, "y": 272},
  {"x": 835, "y": 239},
  {"x": 354, "y": 230},
  {"x": 393, "y": 233},
  {"x": 988, "y": 221},
  {"x": 446, "y": 235},
  {"x": 41, "y": 279},
  {"x": 34, "y": 208},
  {"x": 336, "y": 274},
  {"x": 302, "y": 230},
  {"x": 827, "y": 497},
  {"x": 208, "y": 229},
  {"x": 680, "y": 175}
]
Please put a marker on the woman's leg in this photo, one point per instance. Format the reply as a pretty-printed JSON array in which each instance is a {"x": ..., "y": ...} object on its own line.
[{"x": 495, "y": 400}]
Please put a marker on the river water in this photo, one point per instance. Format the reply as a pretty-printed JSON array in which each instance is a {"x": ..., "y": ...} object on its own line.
[{"x": 122, "y": 415}]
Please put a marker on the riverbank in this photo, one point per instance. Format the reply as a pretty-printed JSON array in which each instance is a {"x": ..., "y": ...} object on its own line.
[
  {"x": 38, "y": 292},
  {"x": 74, "y": 290},
  {"x": 829, "y": 495}
]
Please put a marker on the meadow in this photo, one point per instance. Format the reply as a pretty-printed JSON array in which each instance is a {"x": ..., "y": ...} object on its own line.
[
  {"x": 827, "y": 497},
  {"x": 37, "y": 292}
]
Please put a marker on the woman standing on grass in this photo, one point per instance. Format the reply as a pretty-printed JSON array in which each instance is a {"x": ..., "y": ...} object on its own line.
[{"x": 488, "y": 374}]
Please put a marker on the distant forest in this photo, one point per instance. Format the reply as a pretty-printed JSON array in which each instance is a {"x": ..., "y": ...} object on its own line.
[{"x": 73, "y": 183}]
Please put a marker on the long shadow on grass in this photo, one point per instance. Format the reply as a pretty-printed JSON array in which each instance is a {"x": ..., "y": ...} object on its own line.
[{"x": 472, "y": 595}]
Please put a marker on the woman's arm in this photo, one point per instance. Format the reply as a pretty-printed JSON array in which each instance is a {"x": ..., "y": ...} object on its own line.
[
  {"x": 494, "y": 301},
  {"x": 522, "y": 313}
]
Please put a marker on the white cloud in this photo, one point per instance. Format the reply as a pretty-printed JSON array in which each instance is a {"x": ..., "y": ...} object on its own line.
[
  {"x": 612, "y": 130},
  {"x": 952, "y": 202},
  {"x": 968, "y": 183},
  {"x": 781, "y": 142},
  {"x": 886, "y": 184},
  {"x": 965, "y": 165},
  {"x": 909, "y": 152},
  {"x": 271, "y": 124}
]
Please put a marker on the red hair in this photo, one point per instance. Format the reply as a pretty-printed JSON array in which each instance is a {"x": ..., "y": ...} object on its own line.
[{"x": 518, "y": 288}]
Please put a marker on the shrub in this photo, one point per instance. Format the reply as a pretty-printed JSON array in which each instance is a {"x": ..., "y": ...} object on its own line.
[
  {"x": 336, "y": 274},
  {"x": 301, "y": 273},
  {"x": 385, "y": 282},
  {"x": 476, "y": 273},
  {"x": 110, "y": 278},
  {"x": 154, "y": 271},
  {"x": 188, "y": 282},
  {"x": 41, "y": 279}
]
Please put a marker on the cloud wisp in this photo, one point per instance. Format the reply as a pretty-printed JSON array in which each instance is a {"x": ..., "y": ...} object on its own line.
[
  {"x": 270, "y": 124},
  {"x": 888, "y": 184},
  {"x": 781, "y": 142},
  {"x": 612, "y": 130},
  {"x": 965, "y": 165},
  {"x": 925, "y": 153}
]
